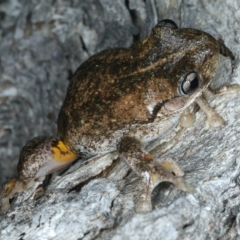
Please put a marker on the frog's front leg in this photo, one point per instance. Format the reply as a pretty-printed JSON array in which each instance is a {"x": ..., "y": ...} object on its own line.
[
  {"x": 151, "y": 171},
  {"x": 213, "y": 118}
]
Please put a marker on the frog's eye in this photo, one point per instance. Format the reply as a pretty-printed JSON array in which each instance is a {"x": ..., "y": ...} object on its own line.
[
  {"x": 167, "y": 23},
  {"x": 189, "y": 84}
]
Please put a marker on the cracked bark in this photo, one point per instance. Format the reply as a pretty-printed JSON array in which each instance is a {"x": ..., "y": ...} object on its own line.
[{"x": 42, "y": 44}]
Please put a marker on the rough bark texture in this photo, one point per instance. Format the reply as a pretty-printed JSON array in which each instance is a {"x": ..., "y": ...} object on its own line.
[{"x": 41, "y": 44}]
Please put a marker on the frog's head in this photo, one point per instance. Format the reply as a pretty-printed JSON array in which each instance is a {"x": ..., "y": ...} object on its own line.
[
  {"x": 186, "y": 59},
  {"x": 43, "y": 155},
  {"x": 191, "y": 56}
]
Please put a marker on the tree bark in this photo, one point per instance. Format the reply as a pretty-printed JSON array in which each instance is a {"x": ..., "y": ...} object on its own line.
[{"x": 41, "y": 45}]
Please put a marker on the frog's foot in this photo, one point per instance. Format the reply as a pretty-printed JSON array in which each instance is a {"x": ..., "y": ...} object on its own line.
[
  {"x": 170, "y": 165},
  {"x": 8, "y": 190},
  {"x": 152, "y": 172},
  {"x": 213, "y": 118},
  {"x": 186, "y": 119},
  {"x": 42, "y": 156}
]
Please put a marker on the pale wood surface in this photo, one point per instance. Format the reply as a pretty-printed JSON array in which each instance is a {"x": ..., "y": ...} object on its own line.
[{"x": 40, "y": 45}]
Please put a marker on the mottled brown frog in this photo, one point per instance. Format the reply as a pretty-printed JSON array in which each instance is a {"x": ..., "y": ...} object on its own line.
[{"x": 118, "y": 99}]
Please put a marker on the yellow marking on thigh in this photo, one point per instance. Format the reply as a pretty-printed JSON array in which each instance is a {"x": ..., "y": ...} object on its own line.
[{"x": 62, "y": 153}]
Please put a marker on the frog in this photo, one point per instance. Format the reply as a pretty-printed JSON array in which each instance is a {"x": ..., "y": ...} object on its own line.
[{"x": 118, "y": 99}]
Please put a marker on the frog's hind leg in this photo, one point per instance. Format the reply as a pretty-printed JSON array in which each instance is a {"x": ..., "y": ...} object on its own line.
[
  {"x": 151, "y": 172},
  {"x": 42, "y": 156},
  {"x": 39, "y": 157}
]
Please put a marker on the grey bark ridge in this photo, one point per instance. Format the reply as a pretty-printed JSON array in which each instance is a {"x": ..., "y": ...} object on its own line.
[{"x": 42, "y": 44}]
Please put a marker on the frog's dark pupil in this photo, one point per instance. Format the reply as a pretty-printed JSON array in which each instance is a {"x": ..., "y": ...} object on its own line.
[
  {"x": 194, "y": 83},
  {"x": 190, "y": 83}
]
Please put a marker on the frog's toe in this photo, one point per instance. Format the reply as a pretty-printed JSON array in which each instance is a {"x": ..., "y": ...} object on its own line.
[
  {"x": 170, "y": 165},
  {"x": 186, "y": 119},
  {"x": 181, "y": 184},
  {"x": 213, "y": 118},
  {"x": 144, "y": 203},
  {"x": 151, "y": 177},
  {"x": 8, "y": 190},
  {"x": 161, "y": 173}
]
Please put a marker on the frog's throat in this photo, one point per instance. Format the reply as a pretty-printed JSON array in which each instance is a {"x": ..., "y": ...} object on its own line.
[{"x": 61, "y": 153}]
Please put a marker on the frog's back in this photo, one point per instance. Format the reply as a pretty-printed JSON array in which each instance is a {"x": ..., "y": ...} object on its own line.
[
  {"x": 99, "y": 100},
  {"x": 118, "y": 88}
]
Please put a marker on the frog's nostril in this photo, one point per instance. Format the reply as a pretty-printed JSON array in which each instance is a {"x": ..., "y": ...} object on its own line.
[{"x": 189, "y": 84}]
